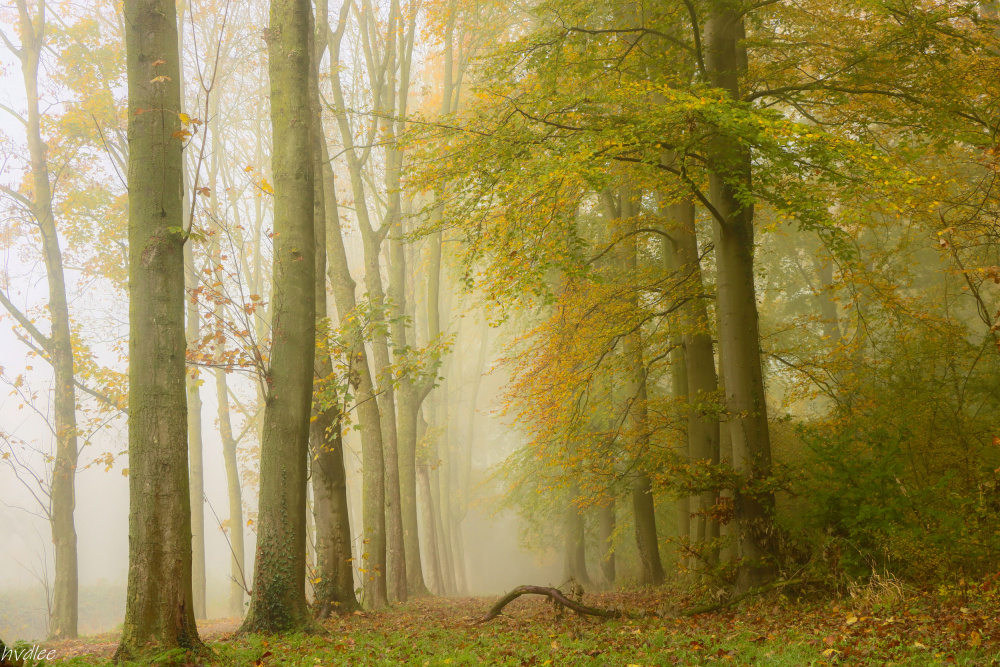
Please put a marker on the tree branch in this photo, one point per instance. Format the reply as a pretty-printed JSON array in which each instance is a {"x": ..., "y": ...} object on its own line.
[
  {"x": 554, "y": 594},
  {"x": 22, "y": 319}
]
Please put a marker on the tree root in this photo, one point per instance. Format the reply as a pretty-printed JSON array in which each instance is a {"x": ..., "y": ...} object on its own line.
[{"x": 556, "y": 595}]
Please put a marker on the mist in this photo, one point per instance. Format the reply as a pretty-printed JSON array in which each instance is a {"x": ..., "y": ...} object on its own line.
[{"x": 316, "y": 312}]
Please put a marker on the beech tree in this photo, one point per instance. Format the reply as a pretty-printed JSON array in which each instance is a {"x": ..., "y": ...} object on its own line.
[
  {"x": 159, "y": 607},
  {"x": 57, "y": 346},
  {"x": 334, "y": 590},
  {"x": 278, "y": 601}
]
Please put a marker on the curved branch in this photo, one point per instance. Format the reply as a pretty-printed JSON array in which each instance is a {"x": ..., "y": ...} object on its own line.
[
  {"x": 43, "y": 341},
  {"x": 554, "y": 594}
]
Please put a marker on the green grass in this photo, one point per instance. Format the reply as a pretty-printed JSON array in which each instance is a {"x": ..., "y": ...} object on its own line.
[{"x": 439, "y": 632}]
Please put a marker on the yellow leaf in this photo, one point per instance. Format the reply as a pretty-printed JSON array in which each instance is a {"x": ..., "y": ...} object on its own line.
[
  {"x": 159, "y": 79},
  {"x": 186, "y": 119},
  {"x": 124, "y": 472},
  {"x": 830, "y": 652},
  {"x": 851, "y": 620},
  {"x": 975, "y": 639}
]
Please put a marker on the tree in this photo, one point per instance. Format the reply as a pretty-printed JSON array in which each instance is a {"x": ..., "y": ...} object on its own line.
[
  {"x": 739, "y": 333},
  {"x": 278, "y": 601},
  {"x": 369, "y": 409},
  {"x": 159, "y": 606},
  {"x": 58, "y": 345},
  {"x": 387, "y": 91},
  {"x": 334, "y": 590}
]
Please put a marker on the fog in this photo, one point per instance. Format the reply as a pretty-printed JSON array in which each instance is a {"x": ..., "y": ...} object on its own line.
[
  {"x": 442, "y": 298},
  {"x": 225, "y": 83},
  {"x": 495, "y": 558}
]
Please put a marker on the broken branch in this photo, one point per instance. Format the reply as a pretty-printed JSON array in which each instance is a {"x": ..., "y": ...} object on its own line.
[{"x": 554, "y": 594}]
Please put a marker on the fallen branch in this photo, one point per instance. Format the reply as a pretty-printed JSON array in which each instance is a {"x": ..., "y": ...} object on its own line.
[
  {"x": 554, "y": 594},
  {"x": 707, "y": 609}
]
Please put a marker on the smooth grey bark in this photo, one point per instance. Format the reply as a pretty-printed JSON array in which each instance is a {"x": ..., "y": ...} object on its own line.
[
  {"x": 334, "y": 588},
  {"x": 237, "y": 573},
  {"x": 411, "y": 391},
  {"x": 442, "y": 473},
  {"x": 196, "y": 464},
  {"x": 159, "y": 606},
  {"x": 373, "y": 422},
  {"x": 679, "y": 390},
  {"x": 827, "y": 304},
  {"x": 278, "y": 600},
  {"x": 382, "y": 79},
  {"x": 411, "y": 394},
  {"x": 728, "y": 530},
  {"x": 701, "y": 381},
  {"x": 575, "y": 554},
  {"x": 739, "y": 336},
  {"x": 430, "y": 528},
  {"x": 373, "y": 480},
  {"x": 195, "y": 458},
  {"x": 636, "y": 418},
  {"x": 606, "y": 521},
  {"x": 463, "y": 468},
  {"x": 57, "y": 346}
]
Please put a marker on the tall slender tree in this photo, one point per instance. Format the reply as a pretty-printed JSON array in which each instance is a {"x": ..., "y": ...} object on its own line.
[
  {"x": 159, "y": 606},
  {"x": 369, "y": 409},
  {"x": 334, "y": 592},
  {"x": 57, "y": 345},
  {"x": 278, "y": 600},
  {"x": 739, "y": 333}
]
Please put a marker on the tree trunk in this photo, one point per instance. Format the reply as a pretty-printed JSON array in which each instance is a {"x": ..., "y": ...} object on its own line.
[
  {"x": 679, "y": 390},
  {"x": 409, "y": 406},
  {"x": 442, "y": 475},
  {"x": 411, "y": 391},
  {"x": 373, "y": 479},
  {"x": 605, "y": 541},
  {"x": 195, "y": 458},
  {"x": 159, "y": 605},
  {"x": 575, "y": 563},
  {"x": 278, "y": 601},
  {"x": 196, "y": 465},
  {"x": 431, "y": 532},
  {"x": 369, "y": 406},
  {"x": 727, "y": 531},
  {"x": 237, "y": 573},
  {"x": 645, "y": 530},
  {"x": 702, "y": 382},
  {"x": 412, "y": 395},
  {"x": 637, "y": 418},
  {"x": 57, "y": 345},
  {"x": 739, "y": 337},
  {"x": 827, "y": 304},
  {"x": 334, "y": 590}
]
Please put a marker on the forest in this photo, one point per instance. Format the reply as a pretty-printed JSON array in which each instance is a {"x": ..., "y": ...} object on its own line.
[{"x": 517, "y": 332}]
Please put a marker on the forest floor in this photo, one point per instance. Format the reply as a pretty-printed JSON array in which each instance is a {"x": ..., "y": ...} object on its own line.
[{"x": 921, "y": 629}]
